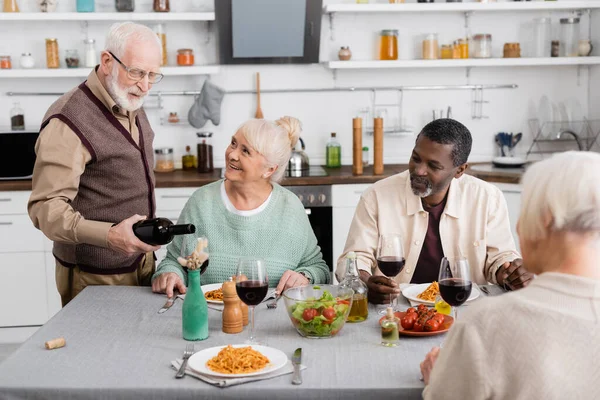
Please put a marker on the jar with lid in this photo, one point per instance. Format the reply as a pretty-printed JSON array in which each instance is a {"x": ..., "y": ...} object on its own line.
[
  {"x": 125, "y": 5},
  {"x": 344, "y": 54},
  {"x": 388, "y": 44},
  {"x": 569, "y": 37},
  {"x": 162, "y": 35},
  {"x": 455, "y": 49},
  {"x": 163, "y": 160},
  {"x": 26, "y": 61},
  {"x": 52, "y": 60},
  {"x": 161, "y": 6},
  {"x": 72, "y": 59},
  {"x": 512, "y": 50},
  {"x": 17, "y": 118},
  {"x": 173, "y": 118},
  {"x": 430, "y": 46},
  {"x": 482, "y": 45},
  {"x": 90, "y": 53},
  {"x": 10, "y": 6},
  {"x": 5, "y": 62},
  {"x": 446, "y": 52},
  {"x": 541, "y": 37},
  {"x": 463, "y": 47},
  {"x": 185, "y": 57},
  {"x": 86, "y": 5},
  {"x": 205, "y": 152}
]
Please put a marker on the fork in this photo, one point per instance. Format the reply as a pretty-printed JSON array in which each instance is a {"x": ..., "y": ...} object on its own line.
[
  {"x": 273, "y": 303},
  {"x": 189, "y": 350}
]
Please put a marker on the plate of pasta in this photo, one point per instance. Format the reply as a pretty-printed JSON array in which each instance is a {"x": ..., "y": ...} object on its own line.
[
  {"x": 427, "y": 292},
  {"x": 237, "y": 360},
  {"x": 213, "y": 293}
]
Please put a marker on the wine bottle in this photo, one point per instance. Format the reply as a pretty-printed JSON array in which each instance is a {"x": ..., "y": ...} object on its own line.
[{"x": 159, "y": 231}]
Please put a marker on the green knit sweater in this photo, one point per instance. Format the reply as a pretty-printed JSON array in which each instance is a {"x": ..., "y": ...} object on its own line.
[{"x": 281, "y": 235}]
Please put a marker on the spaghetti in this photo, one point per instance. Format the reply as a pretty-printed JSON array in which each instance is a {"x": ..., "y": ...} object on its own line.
[
  {"x": 214, "y": 295},
  {"x": 430, "y": 293},
  {"x": 237, "y": 360}
]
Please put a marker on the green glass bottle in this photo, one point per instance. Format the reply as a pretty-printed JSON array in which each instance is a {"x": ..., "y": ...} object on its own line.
[
  {"x": 333, "y": 153},
  {"x": 194, "y": 310}
]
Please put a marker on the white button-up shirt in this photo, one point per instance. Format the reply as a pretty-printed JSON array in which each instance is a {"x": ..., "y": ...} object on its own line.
[{"x": 474, "y": 224}]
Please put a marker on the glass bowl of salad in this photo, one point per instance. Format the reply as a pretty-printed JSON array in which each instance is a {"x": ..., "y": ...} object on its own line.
[{"x": 318, "y": 311}]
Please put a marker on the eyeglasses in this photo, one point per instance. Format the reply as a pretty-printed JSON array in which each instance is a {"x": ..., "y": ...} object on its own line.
[{"x": 136, "y": 74}]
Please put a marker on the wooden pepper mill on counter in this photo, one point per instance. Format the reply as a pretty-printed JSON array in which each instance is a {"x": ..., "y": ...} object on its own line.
[
  {"x": 357, "y": 164},
  {"x": 378, "y": 146},
  {"x": 232, "y": 313}
]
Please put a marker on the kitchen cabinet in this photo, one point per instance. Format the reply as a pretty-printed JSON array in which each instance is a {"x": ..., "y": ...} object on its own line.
[{"x": 512, "y": 194}]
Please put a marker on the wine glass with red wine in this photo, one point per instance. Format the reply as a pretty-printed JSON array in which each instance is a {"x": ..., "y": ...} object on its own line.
[
  {"x": 390, "y": 257},
  {"x": 251, "y": 285},
  {"x": 455, "y": 281}
]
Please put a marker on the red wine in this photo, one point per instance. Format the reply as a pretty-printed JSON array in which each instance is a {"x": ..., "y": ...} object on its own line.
[
  {"x": 390, "y": 266},
  {"x": 455, "y": 291},
  {"x": 252, "y": 292},
  {"x": 158, "y": 231}
]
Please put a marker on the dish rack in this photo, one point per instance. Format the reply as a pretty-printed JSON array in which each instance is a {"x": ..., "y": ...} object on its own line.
[
  {"x": 393, "y": 122},
  {"x": 558, "y": 136}
]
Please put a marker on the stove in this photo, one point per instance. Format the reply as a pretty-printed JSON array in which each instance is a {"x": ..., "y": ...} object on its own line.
[{"x": 311, "y": 171}]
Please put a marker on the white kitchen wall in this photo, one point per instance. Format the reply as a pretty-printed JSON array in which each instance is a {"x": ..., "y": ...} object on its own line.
[{"x": 321, "y": 113}]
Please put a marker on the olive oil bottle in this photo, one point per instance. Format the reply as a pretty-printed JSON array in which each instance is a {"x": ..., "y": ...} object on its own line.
[{"x": 360, "y": 309}]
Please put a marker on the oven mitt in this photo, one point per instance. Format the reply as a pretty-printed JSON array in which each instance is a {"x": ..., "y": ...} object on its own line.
[{"x": 207, "y": 106}]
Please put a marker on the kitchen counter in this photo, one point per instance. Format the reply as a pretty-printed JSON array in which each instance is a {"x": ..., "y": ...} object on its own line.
[{"x": 336, "y": 176}]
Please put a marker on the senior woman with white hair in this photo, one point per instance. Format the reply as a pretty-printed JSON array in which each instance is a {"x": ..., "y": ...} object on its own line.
[
  {"x": 249, "y": 214},
  {"x": 542, "y": 342}
]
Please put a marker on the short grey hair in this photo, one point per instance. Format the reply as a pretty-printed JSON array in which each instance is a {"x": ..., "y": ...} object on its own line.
[
  {"x": 561, "y": 193},
  {"x": 121, "y": 34},
  {"x": 274, "y": 140}
]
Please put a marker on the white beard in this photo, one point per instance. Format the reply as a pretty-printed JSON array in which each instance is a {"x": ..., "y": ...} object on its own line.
[{"x": 119, "y": 94}]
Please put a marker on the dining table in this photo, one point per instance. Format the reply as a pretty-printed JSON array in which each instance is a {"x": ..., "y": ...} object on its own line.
[{"x": 119, "y": 347}]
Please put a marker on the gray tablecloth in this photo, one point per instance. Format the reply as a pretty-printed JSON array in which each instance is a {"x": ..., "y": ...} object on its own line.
[{"x": 118, "y": 347}]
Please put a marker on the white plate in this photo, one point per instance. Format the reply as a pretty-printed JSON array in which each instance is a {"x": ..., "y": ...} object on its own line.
[
  {"x": 198, "y": 360},
  {"x": 208, "y": 288},
  {"x": 509, "y": 162},
  {"x": 413, "y": 291},
  {"x": 564, "y": 115}
]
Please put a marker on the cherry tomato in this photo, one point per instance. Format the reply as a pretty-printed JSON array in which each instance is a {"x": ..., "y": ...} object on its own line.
[
  {"x": 408, "y": 321},
  {"x": 346, "y": 302},
  {"x": 329, "y": 313},
  {"x": 431, "y": 325},
  {"x": 411, "y": 310},
  {"x": 309, "y": 314},
  {"x": 418, "y": 327}
]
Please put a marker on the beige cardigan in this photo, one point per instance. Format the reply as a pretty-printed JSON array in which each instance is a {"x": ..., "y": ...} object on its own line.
[{"x": 541, "y": 342}]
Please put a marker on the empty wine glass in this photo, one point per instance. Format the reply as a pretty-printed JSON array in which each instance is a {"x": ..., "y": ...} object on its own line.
[
  {"x": 390, "y": 257},
  {"x": 251, "y": 285},
  {"x": 455, "y": 281}
]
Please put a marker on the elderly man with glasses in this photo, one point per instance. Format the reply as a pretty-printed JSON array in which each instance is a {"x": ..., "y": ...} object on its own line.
[{"x": 93, "y": 175}]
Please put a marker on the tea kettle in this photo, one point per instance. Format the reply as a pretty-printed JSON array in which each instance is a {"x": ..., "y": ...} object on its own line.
[{"x": 298, "y": 161}]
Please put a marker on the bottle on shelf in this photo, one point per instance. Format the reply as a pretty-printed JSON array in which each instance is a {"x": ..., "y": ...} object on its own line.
[
  {"x": 333, "y": 153},
  {"x": 159, "y": 231},
  {"x": 90, "y": 53},
  {"x": 17, "y": 118},
  {"x": 161, "y": 6},
  {"x": 125, "y": 5},
  {"x": 187, "y": 160},
  {"x": 360, "y": 306}
]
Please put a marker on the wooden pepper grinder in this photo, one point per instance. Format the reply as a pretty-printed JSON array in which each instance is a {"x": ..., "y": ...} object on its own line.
[
  {"x": 378, "y": 146},
  {"x": 232, "y": 313},
  {"x": 357, "y": 163},
  {"x": 243, "y": 306}
]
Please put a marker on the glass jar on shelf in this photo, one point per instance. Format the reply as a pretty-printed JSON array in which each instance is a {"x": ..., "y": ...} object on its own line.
[
  {"x": 569, "y": 37},
  {"x": 446, "y": 52},
  {"x": 430, "y": 47},
  {"x": 90, "y": 53},
  {"x": 185, "y": 57},
  {"x": 72, "y": 58},
  {"x": 125, "y": 5},
  {"x": 463, "y": 46},
  {"x": 541, "y": 37},
  {"x": 482, "y": 45},
  {"x": 86, "y": 6},
  {"x": 162, "y": 35},
  {"x": 161, "y": 6},
  {"x": 388, "y": 44},
  {"x": 26, "y": 61},
  {"x": 163, "y": 160},
  {"x": 10, "y": 6},
  {"x": 205, "y": 152},
  {"x": 52, "y": 58},
  {"x": 5, "y": 62},
  {"x": 455, "y": 50},
  {"x": 17, "y": 118}
]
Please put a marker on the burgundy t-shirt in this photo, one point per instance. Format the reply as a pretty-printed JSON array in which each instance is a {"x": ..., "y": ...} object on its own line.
[{"x": 428, "y": 265}]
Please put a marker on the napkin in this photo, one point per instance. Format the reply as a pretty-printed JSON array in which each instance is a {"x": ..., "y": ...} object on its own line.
[{"x": 225, "y": 382}]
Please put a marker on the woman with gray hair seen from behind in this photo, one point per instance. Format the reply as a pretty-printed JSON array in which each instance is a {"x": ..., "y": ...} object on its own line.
[
  {"x": 248, "y": 214},
  {"x": 542, "y": 342}
]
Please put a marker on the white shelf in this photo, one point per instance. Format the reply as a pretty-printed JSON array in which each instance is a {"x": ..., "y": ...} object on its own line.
[
  {"x": 111, "y": 16},
  {"x": 84, "y": 72},
  {"x": 471, "y": 62},
  {"x": 462, "y": 7}
]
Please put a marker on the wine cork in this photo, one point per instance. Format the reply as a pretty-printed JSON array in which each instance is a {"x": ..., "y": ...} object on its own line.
[
  {"x": 378, "y": 146},
  {"x": 55, "y": 343},
  {"x": 357, "y": 165}
]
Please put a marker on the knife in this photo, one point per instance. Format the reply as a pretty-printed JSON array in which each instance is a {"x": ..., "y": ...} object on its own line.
[
  {"x": 296, "y": 361},
  {"x": 169, "y": 303}
]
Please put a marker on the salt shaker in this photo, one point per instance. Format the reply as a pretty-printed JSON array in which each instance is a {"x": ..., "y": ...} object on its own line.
[{"x": 232, "y": 313}]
